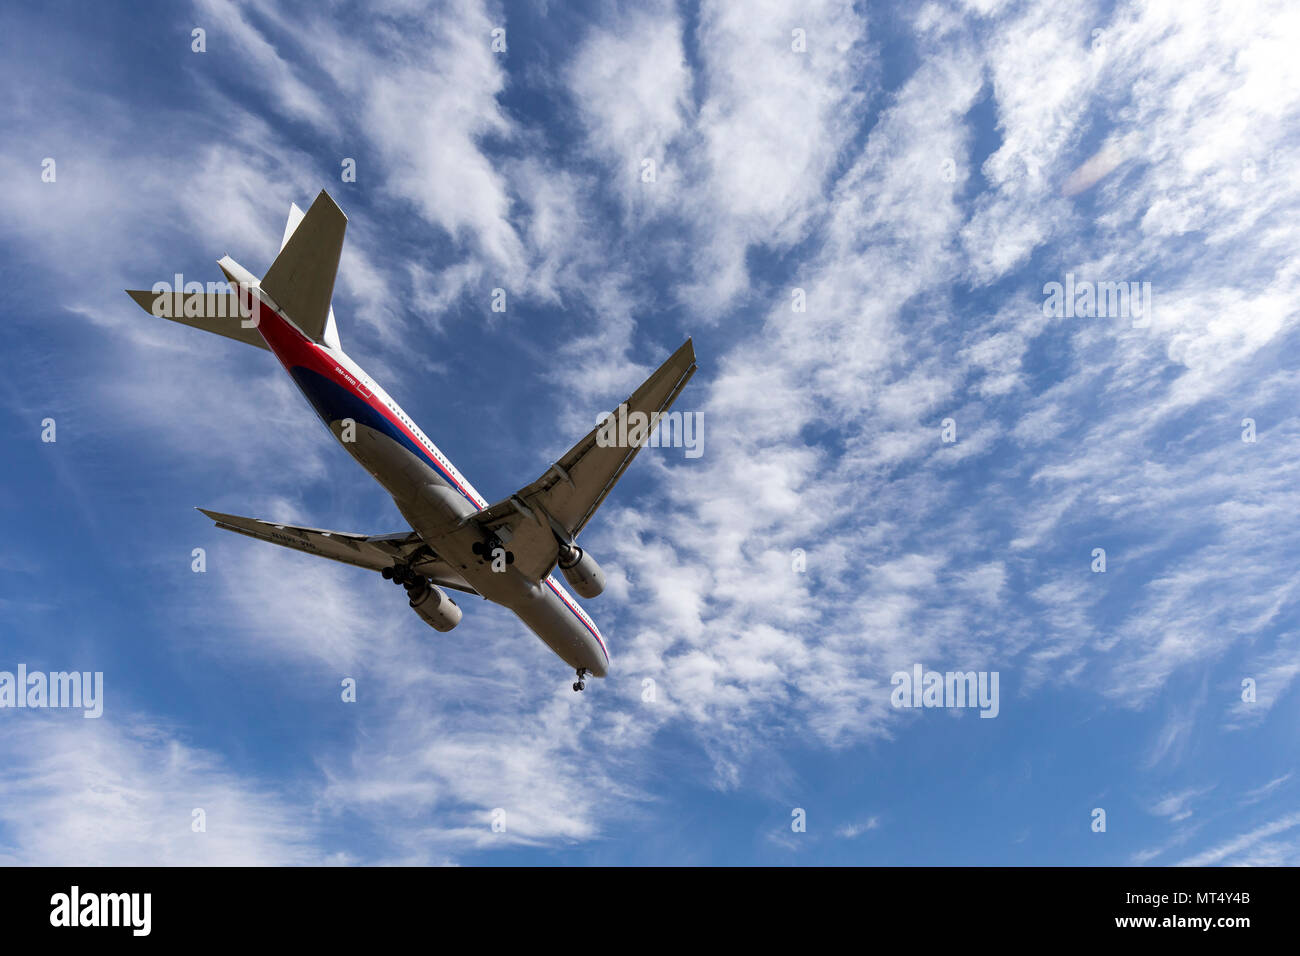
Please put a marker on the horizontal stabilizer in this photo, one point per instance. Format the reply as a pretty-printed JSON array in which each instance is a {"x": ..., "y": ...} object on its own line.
[{"x": 211, "y": 311}]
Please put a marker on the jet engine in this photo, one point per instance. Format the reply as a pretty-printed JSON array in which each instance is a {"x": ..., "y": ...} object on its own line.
[
  {"x": 432, "y": 603},
  {"x": 581, "y": 571}
]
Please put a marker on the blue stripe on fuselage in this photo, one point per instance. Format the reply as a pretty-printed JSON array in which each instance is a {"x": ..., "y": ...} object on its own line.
[{"x": 334, "y": 403}]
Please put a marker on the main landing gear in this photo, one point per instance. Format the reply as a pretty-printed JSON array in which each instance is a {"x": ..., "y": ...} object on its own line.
[
  {"x": 580, "y": 684},
  {"x": 401, "y": 574}
]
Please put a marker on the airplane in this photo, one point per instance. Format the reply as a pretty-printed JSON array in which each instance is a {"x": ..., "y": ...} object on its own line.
[{"x": 505, "y": 552}]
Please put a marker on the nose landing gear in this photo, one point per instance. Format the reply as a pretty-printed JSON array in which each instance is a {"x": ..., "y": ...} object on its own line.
[{"x": 580, "y": 684}]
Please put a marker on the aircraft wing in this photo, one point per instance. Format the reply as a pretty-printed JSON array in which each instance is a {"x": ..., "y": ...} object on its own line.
[
  {"x": 365, "y": 551},
  {"x": 562, "y": 501}
]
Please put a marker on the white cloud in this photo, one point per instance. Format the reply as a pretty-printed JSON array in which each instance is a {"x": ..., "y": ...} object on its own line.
[
  {"x": 122, "y": 792},
  {"x": 632, "y": 86},
  {"x": 852, "y": 831},
  {"x": 1177, "y": 806},
  {"x": 1253, "y": 848}
]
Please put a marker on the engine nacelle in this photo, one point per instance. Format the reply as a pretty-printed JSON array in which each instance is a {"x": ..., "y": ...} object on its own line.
[
  {"x": 581, "y": 571},
  {"x": 433, "y": 604}
]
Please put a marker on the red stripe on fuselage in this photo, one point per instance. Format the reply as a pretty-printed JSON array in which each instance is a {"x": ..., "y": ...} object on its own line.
[
  {"x": 293, "y": 348},
  {"x": 569, "y": 604}
]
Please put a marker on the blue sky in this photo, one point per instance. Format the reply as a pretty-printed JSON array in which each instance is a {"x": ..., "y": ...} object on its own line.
[{"x": 921, "y": 172}]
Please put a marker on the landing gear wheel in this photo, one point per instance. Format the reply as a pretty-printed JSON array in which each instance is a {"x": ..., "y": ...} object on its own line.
[
  {"x": 401, "y": 575},
  {"x": 580, "y": 683}
]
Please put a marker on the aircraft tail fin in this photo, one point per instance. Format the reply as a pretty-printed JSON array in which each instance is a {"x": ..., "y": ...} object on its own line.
[
  {"x": 295, "y": 217},
  {"x": 301, "y": 279}
]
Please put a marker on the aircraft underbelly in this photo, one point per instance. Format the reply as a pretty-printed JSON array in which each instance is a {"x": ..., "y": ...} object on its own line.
[
  {"x": 434, "y": 508},
  {"x": 435, "y": 505},
  {"x": 548, "y": 618}
]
